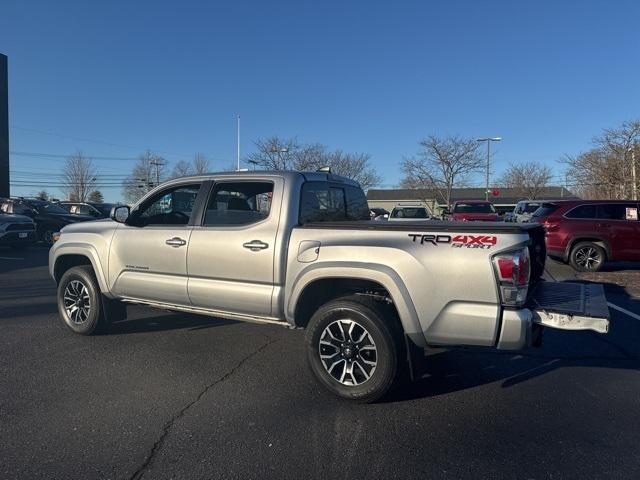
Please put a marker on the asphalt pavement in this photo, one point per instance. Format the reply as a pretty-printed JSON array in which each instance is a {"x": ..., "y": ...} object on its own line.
[{"x": 167, "y": 395}]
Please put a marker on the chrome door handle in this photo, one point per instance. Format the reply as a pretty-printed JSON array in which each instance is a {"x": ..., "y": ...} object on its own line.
[
  {"x": 176, "y": 242},
  {"x": 255, "y": 245}
]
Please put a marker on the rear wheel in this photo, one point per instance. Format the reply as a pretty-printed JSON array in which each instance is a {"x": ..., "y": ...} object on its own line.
[
  {"x": 353, "y": 349},
  {"x": 587, "y": 257},
  {"x": 79, "y": 301}
]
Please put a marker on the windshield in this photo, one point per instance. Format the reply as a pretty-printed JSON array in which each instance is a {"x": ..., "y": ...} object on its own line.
[
  {"x": 545, "y": 209},
  {"x": 51, "y": 208},
  {"x": 532, "y": 207},
  {"x": 417, "y": 212},
  {"x": 474, "y": 208}
]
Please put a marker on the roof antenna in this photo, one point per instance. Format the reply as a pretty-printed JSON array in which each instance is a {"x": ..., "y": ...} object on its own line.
[{"x": 325, "y": 169}]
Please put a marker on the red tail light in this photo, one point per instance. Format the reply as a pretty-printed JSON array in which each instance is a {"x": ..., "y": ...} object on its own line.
[
  {"x": 550, "y": 225},
  {"x": 513, "y": 270}
]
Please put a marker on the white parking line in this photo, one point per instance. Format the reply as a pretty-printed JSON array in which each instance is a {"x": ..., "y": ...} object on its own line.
[{"x": 624, "y": 310}]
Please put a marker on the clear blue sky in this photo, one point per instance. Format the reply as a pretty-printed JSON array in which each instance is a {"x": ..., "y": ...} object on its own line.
[{"x": 364, "y": 76}]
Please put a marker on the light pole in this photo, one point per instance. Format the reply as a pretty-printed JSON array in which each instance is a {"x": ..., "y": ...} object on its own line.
[{"x": 488, "y": 140}]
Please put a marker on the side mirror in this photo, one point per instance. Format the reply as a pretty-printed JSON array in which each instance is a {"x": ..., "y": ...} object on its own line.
[{"x": 120, "y": 213}]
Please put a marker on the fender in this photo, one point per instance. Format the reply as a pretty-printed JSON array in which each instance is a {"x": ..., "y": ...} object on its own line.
[
  {"x": 86, "y": 250},
  {"x": 382, "y": 274}
]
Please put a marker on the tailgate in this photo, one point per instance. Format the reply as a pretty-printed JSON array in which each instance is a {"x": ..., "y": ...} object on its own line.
[{"x": 570, "y": 306}]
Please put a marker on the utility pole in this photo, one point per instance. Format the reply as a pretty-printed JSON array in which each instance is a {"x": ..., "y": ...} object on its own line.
[
  {"x": 488, "y": 140},
  {"x": 238, "y": 143},
  {"x": 158, "y": 164}
]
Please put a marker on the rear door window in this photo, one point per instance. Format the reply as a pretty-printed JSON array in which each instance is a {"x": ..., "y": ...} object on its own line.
[
  {"x": 617, "y": 211},
  {"x": 583, "y": 211},
  {"x": 357, "y": 206}
]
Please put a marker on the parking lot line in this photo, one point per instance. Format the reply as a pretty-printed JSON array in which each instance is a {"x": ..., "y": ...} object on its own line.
[{"x": 624, "y": 310}]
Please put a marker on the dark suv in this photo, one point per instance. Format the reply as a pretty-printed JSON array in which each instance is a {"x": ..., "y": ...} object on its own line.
[
  {"x": 49, "y": 217},
  {"x": 587, "y": 233}
]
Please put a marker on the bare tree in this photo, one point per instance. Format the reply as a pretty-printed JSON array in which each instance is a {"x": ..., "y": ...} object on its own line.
[
  {"x": 181, "y": 169},
  {"x": 351, "y": 165},
  {"x": 442, "y": 164},
  {"x": 96, "y": 197},
  {"x": 42, "y": 195},
  {"x": 607, "y": 170},
  {"x": 274, "y": 153},
  {"x": 528, "y": 179},
  {"x": 148, "y": 171},
  {"x": 78, "y": 176},
  {"x": 200, "y": 164}
]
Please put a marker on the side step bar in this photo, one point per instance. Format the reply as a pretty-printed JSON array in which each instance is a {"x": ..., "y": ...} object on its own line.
[{"x": 570, "y": 306}]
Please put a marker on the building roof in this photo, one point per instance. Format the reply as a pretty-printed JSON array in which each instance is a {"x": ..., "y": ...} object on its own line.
[{"x": 507, "y": 195}]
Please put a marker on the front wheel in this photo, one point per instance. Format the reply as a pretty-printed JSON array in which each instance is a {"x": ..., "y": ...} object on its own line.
[
  {"x": 353, "y": 349},
  {"x": 79, "y": 301},
  {"x": 46, "y": 235},
  {"x": 587, "y": 257}
]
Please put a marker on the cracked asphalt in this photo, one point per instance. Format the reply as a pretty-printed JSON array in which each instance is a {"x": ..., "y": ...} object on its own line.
[{"x": 167, "y": 395}]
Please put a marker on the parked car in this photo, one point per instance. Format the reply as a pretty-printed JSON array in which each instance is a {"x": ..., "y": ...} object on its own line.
[
  {"x": 48, "y": 217},
  {"x": 509, "y": 217},
  {"x": 588, "y": 233},
  {"x": 96, "y": 210},
  {"x": 408, "y": 213},
  {"x": 16, "y": 231},
  {"x": 524, "y": 210},
  {"x": 473, "y": 210},
  {"x": 379, "y": 214},
  {"x": 291, "y": 249}
]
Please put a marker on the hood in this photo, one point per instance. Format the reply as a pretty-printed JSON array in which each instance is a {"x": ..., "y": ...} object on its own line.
[
  {"x": 70, "y": 218},
  {"x": 90, "y": 227},
  {"x": 470, "y": 217},
  {"x": 14, "y": 218}
]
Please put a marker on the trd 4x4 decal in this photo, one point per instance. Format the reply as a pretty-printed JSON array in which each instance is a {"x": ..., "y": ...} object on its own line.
[{"x": 458, "y": 241}]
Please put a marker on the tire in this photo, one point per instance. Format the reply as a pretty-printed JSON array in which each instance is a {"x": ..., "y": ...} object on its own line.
[
  {"x": 360, "y": 340},
  {"x": 46, "y": 235},
  {"x": 587, "y": 257},
  {"x": 79, "y": 288}
]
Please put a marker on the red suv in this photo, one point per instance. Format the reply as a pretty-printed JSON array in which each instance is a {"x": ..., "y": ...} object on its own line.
[
  {"x": 472, "y": 210},
  {"x": 587, "y": 233}
]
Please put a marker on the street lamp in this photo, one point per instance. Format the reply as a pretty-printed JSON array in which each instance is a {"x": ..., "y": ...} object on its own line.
[
  {"x": 279, "y": 151},
  {"x": 488, "y": 140}
]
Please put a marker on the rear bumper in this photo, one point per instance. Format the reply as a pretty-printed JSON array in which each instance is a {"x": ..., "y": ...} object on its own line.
[{"x": 560, "y": 305}]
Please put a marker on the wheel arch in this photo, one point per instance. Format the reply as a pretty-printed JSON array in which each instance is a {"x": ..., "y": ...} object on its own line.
[
  {"x": 597, "y": 239},
  {"x": 319, "y": 284},
  {"x": 69, "y": 256}
]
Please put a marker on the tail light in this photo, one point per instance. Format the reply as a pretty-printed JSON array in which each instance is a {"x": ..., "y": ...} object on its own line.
[
  {"x": 549, "y": 225},
  {"x": 513, "y": 270}
]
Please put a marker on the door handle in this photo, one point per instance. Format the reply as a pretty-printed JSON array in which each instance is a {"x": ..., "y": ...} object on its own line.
[
  {"x": 176, "y": 242},
  {"x": 255, "y": 245}
]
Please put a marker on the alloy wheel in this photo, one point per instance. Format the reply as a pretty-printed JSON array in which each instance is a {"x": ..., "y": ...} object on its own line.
[
  {"x": 348, "y": 352},
  {"x": 588, "y": 258},
  {"x": 77, "y": 302}
]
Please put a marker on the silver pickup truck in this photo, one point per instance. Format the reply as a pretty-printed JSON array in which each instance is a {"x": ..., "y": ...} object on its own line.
[{"x": 298, "y": 249}]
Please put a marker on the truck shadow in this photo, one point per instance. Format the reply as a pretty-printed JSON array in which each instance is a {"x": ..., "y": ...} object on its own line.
[
  {"x": 160, "y": 323},
  {"x": 455, "y": 369}
]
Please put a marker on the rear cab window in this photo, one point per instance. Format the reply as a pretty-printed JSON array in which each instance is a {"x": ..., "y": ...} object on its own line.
[
  {"x": 332, "y": 202},
  {"x": 545, "y": 210}
]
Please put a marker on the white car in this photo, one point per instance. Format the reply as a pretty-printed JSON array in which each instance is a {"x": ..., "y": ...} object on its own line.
[{"x": 409, "y": 213}]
